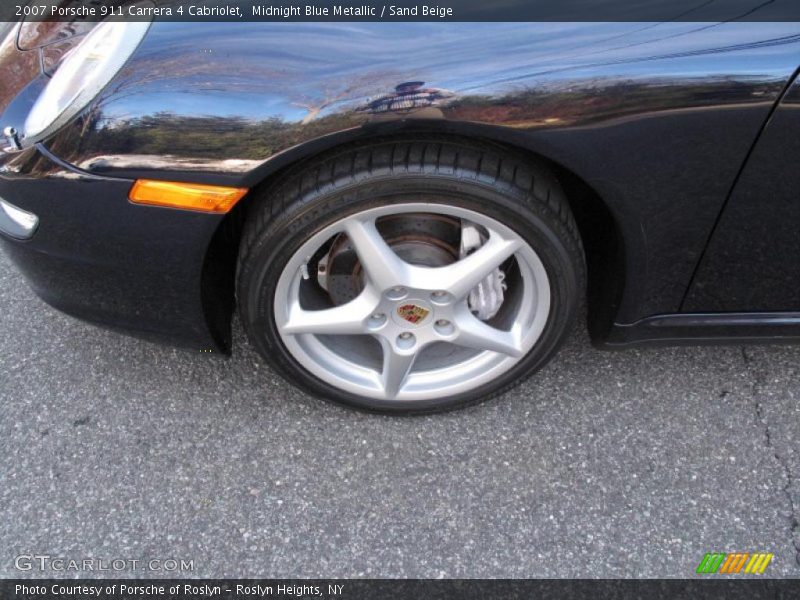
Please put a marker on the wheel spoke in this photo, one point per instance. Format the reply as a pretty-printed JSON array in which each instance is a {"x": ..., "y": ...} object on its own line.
[
  {"x": 396, "y": 368},
  {"x": 462, "y": 276},
  {"x": 346, "y": 319},
  {"x": 383, "y": 267},
  {"x": 474, "y": 333}
]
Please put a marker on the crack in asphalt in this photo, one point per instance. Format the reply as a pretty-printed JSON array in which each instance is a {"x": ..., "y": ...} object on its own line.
[{"x": 794, "y": 520}]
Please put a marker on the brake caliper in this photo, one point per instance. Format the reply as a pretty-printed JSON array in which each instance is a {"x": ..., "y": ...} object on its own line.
[{"x": 486, "y": 298}]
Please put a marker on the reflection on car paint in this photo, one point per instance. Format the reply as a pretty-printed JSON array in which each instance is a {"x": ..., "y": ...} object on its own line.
[{"x": 655, "y": 118}]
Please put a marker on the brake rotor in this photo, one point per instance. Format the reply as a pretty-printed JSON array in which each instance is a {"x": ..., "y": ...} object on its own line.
[{"x": 419, "y": 239}]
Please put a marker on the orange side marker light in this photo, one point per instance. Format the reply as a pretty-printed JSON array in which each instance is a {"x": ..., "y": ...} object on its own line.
[{"x": 189, "y": 196}]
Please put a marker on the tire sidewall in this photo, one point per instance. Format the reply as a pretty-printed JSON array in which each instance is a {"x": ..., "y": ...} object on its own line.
[{"x": 275, "y": 244}]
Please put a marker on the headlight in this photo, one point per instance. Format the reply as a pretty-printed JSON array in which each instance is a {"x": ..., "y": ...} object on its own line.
[{"x": 84, "y": 72}]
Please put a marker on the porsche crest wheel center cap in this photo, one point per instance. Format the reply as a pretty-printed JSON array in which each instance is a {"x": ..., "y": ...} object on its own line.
[{"x": 411, "y": 312}]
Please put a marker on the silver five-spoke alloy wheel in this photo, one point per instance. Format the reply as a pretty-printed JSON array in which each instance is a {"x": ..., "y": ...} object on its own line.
[{"x": 410, "y": 333}]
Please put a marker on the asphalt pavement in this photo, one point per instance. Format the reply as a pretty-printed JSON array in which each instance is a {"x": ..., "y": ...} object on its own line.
[{"x": 605, "y": 464}]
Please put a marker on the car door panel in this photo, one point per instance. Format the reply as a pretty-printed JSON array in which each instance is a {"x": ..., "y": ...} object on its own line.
[{"x": 752, "y": 262}]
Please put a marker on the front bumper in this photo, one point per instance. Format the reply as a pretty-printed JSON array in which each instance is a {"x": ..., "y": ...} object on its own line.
[{"x": 95, "y": 255}]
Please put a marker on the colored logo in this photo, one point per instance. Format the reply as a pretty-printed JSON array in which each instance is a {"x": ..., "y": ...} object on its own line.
[
  {"x": 412, "y": 313},
  {"x": 736, "y": 562}
]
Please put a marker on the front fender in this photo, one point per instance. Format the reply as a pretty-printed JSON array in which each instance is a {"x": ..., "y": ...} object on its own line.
[{"x": 657, "y": 119}]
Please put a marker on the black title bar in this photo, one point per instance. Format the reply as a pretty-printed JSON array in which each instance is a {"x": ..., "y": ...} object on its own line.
[{"x": 402, "y": 10}]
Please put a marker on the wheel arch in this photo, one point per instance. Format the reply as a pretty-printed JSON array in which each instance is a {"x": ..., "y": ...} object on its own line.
[{"x": 600, "y": 230}]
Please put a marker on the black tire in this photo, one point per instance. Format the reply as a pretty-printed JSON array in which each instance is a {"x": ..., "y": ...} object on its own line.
[{"x": 515, "y": 190}]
